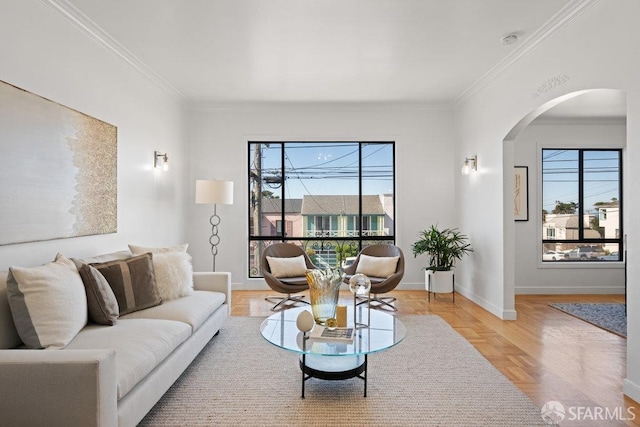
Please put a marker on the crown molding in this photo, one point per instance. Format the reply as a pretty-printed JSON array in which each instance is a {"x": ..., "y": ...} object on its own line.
[
  {"x": 343, "y": 107},
  {"x": 582, "y": 121},
  {"x": 560, "y": 20},
  {"x": 81, "y": 21}
]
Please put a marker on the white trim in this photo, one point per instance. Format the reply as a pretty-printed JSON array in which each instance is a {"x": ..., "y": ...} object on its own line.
[
  {"x": 499, "y": 312},
  {"x": 557, "y": 22},
  {"x": 81, "y": 21},
  {"x": 631, "y": 389},
  {"x": 570, "y": 290},
  {"x": 313, "y": 107},
  {"x": 560, "y": 265}
]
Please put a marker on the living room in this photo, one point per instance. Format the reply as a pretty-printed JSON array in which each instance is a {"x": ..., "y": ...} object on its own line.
[{"x": 52, "y": 53}]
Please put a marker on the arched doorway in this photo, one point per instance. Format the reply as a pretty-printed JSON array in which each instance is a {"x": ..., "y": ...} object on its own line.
[{"x": 593, "y": 107}]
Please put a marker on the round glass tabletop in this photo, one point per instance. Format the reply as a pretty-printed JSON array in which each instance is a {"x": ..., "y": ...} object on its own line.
[{"x": 384, "y": 331}]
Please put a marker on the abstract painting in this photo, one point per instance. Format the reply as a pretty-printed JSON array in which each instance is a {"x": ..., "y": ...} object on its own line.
[{"x": 58, "y": 177}]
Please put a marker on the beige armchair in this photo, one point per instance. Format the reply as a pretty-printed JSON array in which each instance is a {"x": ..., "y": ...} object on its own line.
[
  {"x": 379, "y": 285},
  {"x": 284, "y": 272}
]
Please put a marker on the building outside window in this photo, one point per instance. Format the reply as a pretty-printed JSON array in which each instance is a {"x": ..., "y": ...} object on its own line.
[
  {"x": 332, "y": 197},
  {"x": 582, "y": 205}
]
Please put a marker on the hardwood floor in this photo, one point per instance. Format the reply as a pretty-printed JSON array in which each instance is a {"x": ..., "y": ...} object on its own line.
[{"x": 548, "y": 354}]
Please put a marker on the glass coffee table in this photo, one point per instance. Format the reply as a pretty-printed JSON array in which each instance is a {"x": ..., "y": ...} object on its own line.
[{"x": 334, "y": 360}]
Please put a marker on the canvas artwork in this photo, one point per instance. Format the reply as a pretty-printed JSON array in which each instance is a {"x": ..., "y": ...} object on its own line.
[
  {"x": 59, "y": 172},
  {"x": 521, "y": 193}
]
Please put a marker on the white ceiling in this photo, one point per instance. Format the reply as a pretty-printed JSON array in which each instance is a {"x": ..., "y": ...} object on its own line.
[{"x": 228, "y": 51}]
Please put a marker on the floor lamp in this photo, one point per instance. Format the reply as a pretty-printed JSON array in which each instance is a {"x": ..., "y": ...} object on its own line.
[{"x": 214, "y": 192}]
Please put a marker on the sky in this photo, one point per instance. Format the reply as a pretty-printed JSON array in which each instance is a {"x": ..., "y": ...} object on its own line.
[
  {"x": 326, "y": 168},
  {"x": 560, "y": 177}
]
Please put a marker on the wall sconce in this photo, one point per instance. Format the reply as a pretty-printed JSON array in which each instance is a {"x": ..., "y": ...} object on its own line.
[
  {"x": 470, "y": 165},
  {"x": 160, "y": 160}
]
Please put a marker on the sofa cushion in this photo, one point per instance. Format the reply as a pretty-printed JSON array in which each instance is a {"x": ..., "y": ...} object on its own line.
[
  {"x": 174, "y": 272},
  {"x": 133, "y": 282},
  {"x": 140, "y": 345},
  {"x": 48, "y": 303},
  {"x": 103, "y": 306},
  {"x": 139, "y": 250},
  {"x": 377, "y": 266},
  {"x": 112, "y": 256},
  {"x": 287, "y": 267},
  {"x": 193, "y": 309}
]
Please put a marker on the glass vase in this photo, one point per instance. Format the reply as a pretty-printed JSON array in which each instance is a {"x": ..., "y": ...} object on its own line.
[{"x": 323, "y": 289}]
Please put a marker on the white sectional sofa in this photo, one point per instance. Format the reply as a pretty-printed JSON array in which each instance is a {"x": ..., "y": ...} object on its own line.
[{"x": 108, "y": 375}]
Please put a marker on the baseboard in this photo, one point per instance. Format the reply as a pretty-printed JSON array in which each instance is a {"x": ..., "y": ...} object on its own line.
[
  {"x": 569, "y": 290},
  {"x": 631, "y": 389},
  {"x": 491, "y": 308}
]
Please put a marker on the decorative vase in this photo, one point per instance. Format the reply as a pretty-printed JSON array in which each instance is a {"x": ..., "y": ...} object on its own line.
[{"x": 323, "y": 289}]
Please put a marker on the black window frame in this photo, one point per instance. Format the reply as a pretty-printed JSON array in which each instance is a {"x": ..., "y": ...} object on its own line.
[
  {"x": 318, "y": 242},
  {"x": 580, "y": 208}
]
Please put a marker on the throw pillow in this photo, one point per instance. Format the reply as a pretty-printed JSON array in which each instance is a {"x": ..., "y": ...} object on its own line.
[
  {"x": 377, "y": 266},
  {"x": 174, "y": 274},
  {"x": 48, "y": 303},
  {"x": 139, "y": 250},
  {"x": 102, "y": 303},
  {"x": 287, "y": 267},
  {"x": 132, "y": 281}
]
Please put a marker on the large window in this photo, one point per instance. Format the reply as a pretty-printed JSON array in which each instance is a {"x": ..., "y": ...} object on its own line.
[
  {"x": 333, "y": 198},
  {"x": 582, "y": 205}
]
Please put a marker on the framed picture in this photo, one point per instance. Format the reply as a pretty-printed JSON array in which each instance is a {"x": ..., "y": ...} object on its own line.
[{"x": 521, "y": 193}]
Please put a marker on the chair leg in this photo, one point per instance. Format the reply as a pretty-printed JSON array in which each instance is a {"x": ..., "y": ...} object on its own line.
[
  {"x": 380, "y": 303},
  {"x": 282, "y": 301}
]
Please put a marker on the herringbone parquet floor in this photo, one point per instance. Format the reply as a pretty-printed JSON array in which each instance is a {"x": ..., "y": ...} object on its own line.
[{"x": 549, "y": 355}]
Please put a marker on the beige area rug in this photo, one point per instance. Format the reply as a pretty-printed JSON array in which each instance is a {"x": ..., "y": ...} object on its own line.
[{"x": 432, "y": 378}]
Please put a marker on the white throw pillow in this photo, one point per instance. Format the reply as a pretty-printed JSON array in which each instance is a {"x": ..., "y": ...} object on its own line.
[
  {"x": 48, "y": 303},
  {"x": 139, "y": 250},
  {"x": 287, "y": 267},
  {"x": 174, "y": 274},
  {"x": 377, "y": 266}
]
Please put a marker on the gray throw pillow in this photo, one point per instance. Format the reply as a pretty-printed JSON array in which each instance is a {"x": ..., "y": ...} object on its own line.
[
  {"x": 132, "y": 281},
  {"x": 102, "y": 303}
]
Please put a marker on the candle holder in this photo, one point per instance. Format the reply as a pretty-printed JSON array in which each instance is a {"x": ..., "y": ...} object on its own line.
[{"x": 360, "y": 286}]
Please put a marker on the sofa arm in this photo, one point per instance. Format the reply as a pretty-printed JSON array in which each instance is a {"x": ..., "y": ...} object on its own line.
[
  {"x": 58, "y": 387},
  {"x": 214, "y": 282}
]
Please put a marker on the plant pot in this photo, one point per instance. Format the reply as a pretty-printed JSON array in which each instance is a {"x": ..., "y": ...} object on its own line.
[{"x": 439, "y": 281}]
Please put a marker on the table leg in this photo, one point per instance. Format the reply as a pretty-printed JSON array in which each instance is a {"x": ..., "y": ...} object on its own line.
[
  {"x": 303, "y": 374},
  {"x": 365, "y": 374}
]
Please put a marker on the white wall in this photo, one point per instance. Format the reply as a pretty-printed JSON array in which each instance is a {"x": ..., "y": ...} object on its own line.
[
  {"x": 598, "y": 49},
  {"x": 532, "y": 276},
  {"x": 48, "y": 56},
  {"x": 425, "y": 169}
]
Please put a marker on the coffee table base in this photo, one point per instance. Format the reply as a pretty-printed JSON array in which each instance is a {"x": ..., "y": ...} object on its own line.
[{"x": 333, "y": 368}]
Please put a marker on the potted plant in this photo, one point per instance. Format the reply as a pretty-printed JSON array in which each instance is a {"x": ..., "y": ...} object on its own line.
[{"x": 444, "y": 248}]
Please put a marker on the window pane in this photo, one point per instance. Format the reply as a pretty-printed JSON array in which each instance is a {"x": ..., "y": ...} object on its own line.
[
  {"x": 324, "y": 176},
  {"x": 377, "y": 186},
  {"x": 558, "y": 252},
  {"x": 581, "y": 205},
  {"x": 602, "y": 194},
  {"x": 318, "y": 184},
  {"x": 265, "y": 188},
  {"x": 560, "y": 194}
]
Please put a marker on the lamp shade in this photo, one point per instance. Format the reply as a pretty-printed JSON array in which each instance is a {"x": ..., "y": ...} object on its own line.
[{"x": 214, "y": 192}]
